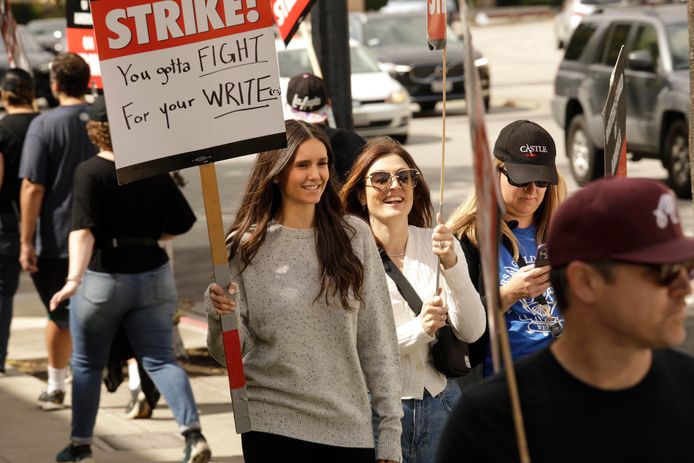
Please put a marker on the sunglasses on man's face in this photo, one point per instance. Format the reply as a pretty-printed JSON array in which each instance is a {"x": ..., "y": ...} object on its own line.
[
  {"x": 538, "y": 183},
  {"x": 381, "y": 180},
  {"x": 666, "y": 274}
]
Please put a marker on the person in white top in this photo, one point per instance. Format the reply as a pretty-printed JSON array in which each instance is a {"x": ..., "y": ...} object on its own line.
[{"x": 386, "y": 189}]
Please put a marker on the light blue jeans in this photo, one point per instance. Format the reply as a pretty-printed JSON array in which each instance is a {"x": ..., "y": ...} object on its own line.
[
  {"x": 423, "y": 423},
  {"x": 144, "y": 304}
]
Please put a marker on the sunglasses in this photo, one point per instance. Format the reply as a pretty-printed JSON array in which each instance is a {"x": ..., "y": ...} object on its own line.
[
  {"x": 538, "y": 183},
  {"x": 668, "y": 273},
  {"x": 382, "y": 180}
]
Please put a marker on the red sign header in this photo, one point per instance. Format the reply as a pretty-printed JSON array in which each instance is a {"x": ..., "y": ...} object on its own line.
[
  {"x": 138, "y": 26},
  {"x": 289, "y": 14}
]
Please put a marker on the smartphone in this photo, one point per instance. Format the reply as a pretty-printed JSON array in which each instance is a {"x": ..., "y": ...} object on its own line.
[{"x": 542, "y": 257}]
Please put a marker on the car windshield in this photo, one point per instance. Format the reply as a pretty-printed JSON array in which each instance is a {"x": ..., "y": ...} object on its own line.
[
  {"x": 295, "y": 61},
  {"x": 678, "y": 36},
  {"x": 399, "y": 31},
  {"x": 29, "y": 43}
]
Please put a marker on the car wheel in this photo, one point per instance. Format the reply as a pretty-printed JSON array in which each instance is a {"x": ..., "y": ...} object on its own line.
[
  {"x": 585, "y": 159},
  {"x": 427, "y": 105},
  {"x": 400, "y": 138},
  {"x": 677, "y": 151}
]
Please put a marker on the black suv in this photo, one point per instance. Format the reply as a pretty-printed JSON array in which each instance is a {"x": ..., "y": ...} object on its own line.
[{"x": 655, "y": 40}]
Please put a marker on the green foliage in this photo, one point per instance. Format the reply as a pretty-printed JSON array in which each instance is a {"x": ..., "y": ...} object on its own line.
[
  {"x": 25, "y": 12},
  {"x": 374, "y": 4}
]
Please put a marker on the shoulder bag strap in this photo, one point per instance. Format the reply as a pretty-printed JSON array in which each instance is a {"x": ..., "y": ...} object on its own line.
[{"x": 404, "y": 286}]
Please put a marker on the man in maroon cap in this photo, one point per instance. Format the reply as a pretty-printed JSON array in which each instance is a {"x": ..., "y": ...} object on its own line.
[{"x": 610, "y": 389}]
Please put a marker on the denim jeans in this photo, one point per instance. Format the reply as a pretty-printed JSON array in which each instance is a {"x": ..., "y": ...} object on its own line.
[
  {"x": 9, "y": 277},
  {"x": 144, "y": 304},
  {"x": 423, "y": 423}
]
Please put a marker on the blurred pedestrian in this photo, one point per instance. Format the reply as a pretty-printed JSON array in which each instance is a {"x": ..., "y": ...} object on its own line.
[
  {"x": 55, "y": 144},
  {"x": 17, "y": 88},
  {"x": 315, "y": 328},
  {"x": 308, "y": 101},
  {"x": 387, "y": 189},
  {"x": 531, "y": 189},
  {"x": 119, "y": 276},
  {"x": 610, "y": 388}
]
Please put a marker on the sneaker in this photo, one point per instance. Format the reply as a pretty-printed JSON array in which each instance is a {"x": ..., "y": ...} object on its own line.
[
  {"x": 197, "y": 450},
  {"x": 138, "y": 407},
  {"x": 73, "y": 452},
  {"x": 52, "y": 401}
]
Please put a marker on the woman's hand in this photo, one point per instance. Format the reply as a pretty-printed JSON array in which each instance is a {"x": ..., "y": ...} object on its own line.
[
  {"x": 528, "y": 282},
  {"x": 433, "y": 315},
  {"x": 442, "y": 243},
  {"x": 223, "y": 304},
  {"x": 66, "y": 292}
]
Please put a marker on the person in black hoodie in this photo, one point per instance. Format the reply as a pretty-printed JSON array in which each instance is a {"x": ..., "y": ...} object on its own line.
[{"x": 18, "y": 100}]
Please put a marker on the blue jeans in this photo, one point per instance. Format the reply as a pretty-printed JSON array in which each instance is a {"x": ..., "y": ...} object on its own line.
[
  {"x": 144, "y": 304},
  {"x": 9, "y": 277},
  {"x": 423, "y": 423}
]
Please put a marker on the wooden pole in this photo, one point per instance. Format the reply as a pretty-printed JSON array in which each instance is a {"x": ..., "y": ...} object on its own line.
[
  {"x": 222, "y": 276},
  {"x": 443, "y": 160}
]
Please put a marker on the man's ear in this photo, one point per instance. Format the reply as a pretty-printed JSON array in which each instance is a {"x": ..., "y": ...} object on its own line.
[{"x": 584, "y": 282}]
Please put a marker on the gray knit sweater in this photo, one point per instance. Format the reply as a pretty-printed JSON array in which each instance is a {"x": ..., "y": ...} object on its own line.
[{"x": 309, "y": 364}]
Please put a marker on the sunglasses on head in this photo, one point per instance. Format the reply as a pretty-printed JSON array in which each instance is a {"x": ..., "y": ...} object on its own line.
[
  {"x": 381, "y": 180},
  {"x": 668, "y": 273},
  {"x": 538, "y": 183}
]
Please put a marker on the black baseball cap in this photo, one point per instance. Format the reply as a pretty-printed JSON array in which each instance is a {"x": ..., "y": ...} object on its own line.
[
  {"x": 307, "y": 98},
  {"x": 97, "y": 112},
  {"x": 528, "y": 152}
]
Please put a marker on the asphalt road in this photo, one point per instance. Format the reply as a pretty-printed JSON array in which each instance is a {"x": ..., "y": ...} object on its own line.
[{"x": 523, "y": 62}]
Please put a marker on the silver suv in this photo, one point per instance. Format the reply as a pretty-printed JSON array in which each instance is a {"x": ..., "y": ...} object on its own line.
[{"x": 655, "y": 39}]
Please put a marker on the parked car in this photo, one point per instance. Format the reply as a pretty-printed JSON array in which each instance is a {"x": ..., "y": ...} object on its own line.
[
  {"x": 380, "y": 105},
  {"x": 656, "y": 44},
  {"x": 40, "y": 61},
  {"x": 49, "y": 33},
  {"x": 570, "y": 14},
  {"x": 399, "y": 41}
]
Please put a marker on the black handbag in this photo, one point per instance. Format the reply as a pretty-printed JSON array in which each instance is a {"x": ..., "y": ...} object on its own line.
[{"x": 451, "y": 355}]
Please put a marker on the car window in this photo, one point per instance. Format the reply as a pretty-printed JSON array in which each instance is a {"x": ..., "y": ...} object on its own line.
[
  {"x": 678, "y": 37},
  {"x": 361, "y": 60},
  {"x": 293, "y": 62},
  {"x": 578, "y": 41},
  {"x": 616, "y": 37},
  {"x": 647, "y": 39},
  {"x": 399, "y": 31}
]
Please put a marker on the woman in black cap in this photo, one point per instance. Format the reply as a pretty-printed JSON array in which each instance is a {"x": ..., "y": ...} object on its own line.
[
  {"x": 531, "y": 189},
  {"x": 18, "y": 100},
  {"x": 119, "y": 276}
]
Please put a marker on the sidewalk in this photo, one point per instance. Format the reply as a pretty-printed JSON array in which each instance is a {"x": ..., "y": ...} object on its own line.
[{"x": 30, "y": 435}]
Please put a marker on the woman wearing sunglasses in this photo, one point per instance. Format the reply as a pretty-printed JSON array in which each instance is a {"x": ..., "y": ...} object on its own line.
[
  {"x": 310, "y": 296},
  {"x": 386, "y": 189},
  {"x": 531, "y": 189}
]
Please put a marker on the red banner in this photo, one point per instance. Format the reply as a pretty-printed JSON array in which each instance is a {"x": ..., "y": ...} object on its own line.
[
  {"x": 289, "y": 14},
  {"x": 139, "y": 26},
  {"x": 436, "y": 24},
  {"x": 81, "y": 39}
]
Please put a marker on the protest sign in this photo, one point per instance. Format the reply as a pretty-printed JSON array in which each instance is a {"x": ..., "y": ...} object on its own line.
[
  {"x": 289, "y": 14},
  {"x": 80, "y": 37},
  {"x": 614, "y": 117},
  {"x": 436, "y": 24},
  {"x": 15, "y": 52},
  {"x": 187, "y": 83}
]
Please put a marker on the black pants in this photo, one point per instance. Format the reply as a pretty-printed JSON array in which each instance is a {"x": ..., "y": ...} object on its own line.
[
  {"x": 260, "y": 447},
  {"x": 49, "y": 280}
]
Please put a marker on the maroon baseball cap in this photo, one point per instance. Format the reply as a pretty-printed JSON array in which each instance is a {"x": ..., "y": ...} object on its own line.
[
  {"x": 527, "y": 151},
  {"x": 624, "y": 219}
]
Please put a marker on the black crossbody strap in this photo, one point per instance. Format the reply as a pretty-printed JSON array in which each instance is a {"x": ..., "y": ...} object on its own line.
[{"x": 404, "y": 286}]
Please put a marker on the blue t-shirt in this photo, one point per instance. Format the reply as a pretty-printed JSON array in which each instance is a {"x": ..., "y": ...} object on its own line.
[
  {"x": 55, "y": 144},
  {"x": 526, "y": 320}
]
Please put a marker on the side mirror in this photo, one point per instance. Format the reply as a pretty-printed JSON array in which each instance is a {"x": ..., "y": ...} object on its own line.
[{"x": 640, "y": 60}]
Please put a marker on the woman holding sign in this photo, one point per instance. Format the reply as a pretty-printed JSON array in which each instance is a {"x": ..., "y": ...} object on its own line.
[
  {"x": 310, "y": 294},
  {"x": 119, "y": 276},
  {"x": 386, "y": 189},
  {"x": 531, "y": 189}
]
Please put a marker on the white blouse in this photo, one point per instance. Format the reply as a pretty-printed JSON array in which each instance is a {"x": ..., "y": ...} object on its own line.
[{"x": 465, "y": 312}]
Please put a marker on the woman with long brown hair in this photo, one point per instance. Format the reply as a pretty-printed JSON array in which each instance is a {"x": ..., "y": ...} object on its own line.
[
  {"x": 387, "y": 189},
  {"x": 532, "y": 189},
  {"x": 310, "y": 294}
]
